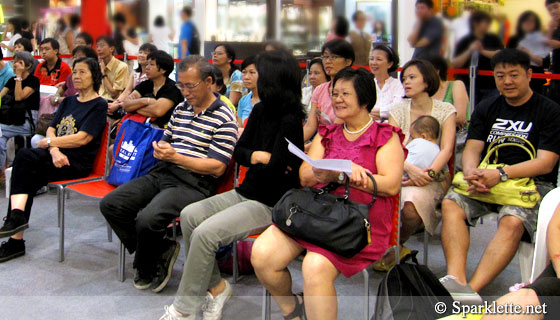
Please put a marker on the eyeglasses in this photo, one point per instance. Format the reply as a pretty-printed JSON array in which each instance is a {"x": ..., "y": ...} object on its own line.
[
  {"x": 330, "y": 58},
  {"x": 344, "y": 95},
  {"x": 217, "y": 53},
  {"x": 182, "y": 86}
]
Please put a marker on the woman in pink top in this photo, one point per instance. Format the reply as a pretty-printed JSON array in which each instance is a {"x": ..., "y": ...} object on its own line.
[
  {"x": 337, "y": 55},
  {"x": 373, "y": 148}
]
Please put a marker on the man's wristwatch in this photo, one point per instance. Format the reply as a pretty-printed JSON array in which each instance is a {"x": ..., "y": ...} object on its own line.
[
  {"x": 56, "y": 99},
  {"x": 341, "y": 178},
  {"x": 48, "y": 143},
  {"x": 503, "y": 175},
  {"x": 18, "y": 79}
]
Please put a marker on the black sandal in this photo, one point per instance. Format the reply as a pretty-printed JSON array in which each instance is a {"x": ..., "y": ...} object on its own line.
[{"x": 299, "y": 311}]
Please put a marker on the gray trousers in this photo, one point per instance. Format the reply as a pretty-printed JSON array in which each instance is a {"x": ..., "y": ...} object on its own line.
[{"x": 208, "y": 225}]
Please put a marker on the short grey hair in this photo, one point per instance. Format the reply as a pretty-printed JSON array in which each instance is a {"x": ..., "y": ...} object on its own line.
[
  {"x": 26, "y": 57},
  {"x": 204, "y": 67}
]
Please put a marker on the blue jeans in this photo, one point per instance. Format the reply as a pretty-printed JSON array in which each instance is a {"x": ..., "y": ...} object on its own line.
[{"x": 10, "y": 131}]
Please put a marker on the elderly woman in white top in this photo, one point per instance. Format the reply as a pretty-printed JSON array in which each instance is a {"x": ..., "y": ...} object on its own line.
[{"x": 382, "y": 61}]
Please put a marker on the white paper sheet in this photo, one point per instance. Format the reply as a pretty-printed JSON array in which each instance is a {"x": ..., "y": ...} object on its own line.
[
  {"x": 324, "y": 164},
  {"x": 535, "y": 42}
]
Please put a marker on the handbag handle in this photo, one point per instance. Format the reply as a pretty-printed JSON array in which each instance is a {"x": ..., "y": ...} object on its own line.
[
  {"x": 493, "y": 147},
  {"x": 333, "y": 186}
]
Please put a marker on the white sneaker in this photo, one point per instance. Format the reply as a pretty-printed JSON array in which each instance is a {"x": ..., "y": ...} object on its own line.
[
  {"x": 172, "y": 314},
  {"x": 212, "y": 309}
]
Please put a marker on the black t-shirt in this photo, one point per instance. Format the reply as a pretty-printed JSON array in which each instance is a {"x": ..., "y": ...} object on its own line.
[
  {"x": 432, "y": 29},
  {"x": 489, "y": 42},
  {"x": 32, "y": 102},
  {"x": 73, "y": 116},
  {"x": 168, "y": 91},
  {"x": 537, "y": 121},
  {"x": 27, "y": 35}
]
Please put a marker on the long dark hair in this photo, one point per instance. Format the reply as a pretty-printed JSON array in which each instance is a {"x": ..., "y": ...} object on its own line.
[
  {"x": 524, "y": 17},
  {"x": 279, "y": 83},
  {"x": 230, "y": 53}
]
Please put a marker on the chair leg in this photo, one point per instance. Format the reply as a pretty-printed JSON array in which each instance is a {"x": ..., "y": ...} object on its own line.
[
  {"x": 426, "y": 240},
  {"x": 109, "y": 233},
  {"x": 266, "y": 308},
  {"x": 366, "y": 293},
  {"x": 235, "y": 263},
  {"x": 122, "y": 258},
  {"x": 59, "y": 189},
  {"x": 61, "y": 217}
]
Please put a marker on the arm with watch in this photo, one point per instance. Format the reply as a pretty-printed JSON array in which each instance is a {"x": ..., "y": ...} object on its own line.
[
  {"x": 52, "y": 142},
  {"x": 481, "y": 180},
  {"x": 390, "y": 167}
]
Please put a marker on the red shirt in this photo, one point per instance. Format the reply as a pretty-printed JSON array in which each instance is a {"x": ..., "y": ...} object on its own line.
[{"x": 58, "y": 74}]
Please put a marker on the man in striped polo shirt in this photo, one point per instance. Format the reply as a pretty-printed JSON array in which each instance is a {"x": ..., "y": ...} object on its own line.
[{"x": 195, "y": 150}]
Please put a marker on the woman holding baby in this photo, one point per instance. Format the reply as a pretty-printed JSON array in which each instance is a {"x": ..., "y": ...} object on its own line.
[{"x": 421, "y": 193}]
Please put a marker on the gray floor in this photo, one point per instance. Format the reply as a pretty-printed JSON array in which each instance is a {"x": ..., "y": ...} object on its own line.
[{"x": 85, "y": 286}]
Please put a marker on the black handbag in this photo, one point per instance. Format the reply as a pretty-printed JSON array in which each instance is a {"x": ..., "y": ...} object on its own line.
[
  {"x": 13, "y": 112},
  {"x": 331, "y": 222}
]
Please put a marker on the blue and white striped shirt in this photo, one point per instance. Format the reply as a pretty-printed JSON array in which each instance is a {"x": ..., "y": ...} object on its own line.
[{"x": 210, "y": 134}]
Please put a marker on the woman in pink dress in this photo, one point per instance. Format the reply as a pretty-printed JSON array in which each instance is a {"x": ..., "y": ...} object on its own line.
[{"x": 373, "y": 148}]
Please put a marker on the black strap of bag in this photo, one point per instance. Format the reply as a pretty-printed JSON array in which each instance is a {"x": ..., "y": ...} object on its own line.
[{"x": 333, "y": 186}]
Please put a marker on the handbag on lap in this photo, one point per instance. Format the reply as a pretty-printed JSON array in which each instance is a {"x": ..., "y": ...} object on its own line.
[
  {"x": 519, "y": 192},
  {"x": 331, "y": 222}
]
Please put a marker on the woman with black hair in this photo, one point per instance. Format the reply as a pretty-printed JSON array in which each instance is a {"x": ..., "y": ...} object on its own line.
[
  {"x": 67, "y": 152},
  {"x": 65, "y": 89},
  {"x": 382, "y": 61},
  {"x": 139, "y": 75},
  {"x": 374, "y": 148},
  {"x": 14, "y": 27},
  {"x": 247, "y": 210},
  {"x": 223, "y": 57},
  {"x": 316, "y": 77},
  {"x": 250, "y": 77},
  {"x": 421, "y": 193},
  {"x": 336, "y": 55},
  {"x": 453, "y": 92},
  {"x": 529, "y": 25}
]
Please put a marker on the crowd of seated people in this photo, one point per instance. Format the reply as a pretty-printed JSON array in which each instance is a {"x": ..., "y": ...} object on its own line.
[{"x": 201, "y": 114}]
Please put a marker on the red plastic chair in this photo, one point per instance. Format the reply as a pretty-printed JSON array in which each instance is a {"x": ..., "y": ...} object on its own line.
[{"x": 100, "y": 169}]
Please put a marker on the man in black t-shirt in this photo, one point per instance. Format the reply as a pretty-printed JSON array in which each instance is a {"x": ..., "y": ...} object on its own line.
[
  {"x": 156, "y": 97},
  {"x": 518, "y": 112},
  {"x": 427, "y": 36},
  {"x": 487, "y": 45}
]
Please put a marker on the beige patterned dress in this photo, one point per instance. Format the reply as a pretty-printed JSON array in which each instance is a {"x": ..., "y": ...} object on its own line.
[{"x": 425, "y": 199}]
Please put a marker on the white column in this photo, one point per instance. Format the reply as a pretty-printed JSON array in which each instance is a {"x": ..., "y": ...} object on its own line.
[{"x": 406, "y": 19}]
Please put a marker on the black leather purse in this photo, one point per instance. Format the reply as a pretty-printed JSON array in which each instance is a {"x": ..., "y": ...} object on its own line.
[{"x": 331, "y": 222}]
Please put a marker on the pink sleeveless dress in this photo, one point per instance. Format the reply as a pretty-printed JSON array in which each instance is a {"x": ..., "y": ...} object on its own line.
[{"x": 362, "y": 151}]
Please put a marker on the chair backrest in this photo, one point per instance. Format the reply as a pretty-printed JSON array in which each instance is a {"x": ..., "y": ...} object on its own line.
[
  {"x": 546, "y": 211},
  {"x": 100, "y": 164}
]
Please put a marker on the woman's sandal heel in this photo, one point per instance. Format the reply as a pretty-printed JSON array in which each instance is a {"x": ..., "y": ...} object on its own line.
[{"x": 299, "y": 311}]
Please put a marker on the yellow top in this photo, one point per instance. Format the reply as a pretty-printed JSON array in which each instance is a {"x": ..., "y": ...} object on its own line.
[{"x": 117, "y": 72}]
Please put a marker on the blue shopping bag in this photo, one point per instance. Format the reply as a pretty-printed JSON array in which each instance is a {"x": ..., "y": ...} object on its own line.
[{"x": 134, "y": 156}]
